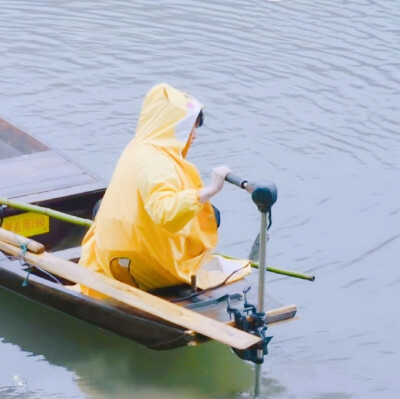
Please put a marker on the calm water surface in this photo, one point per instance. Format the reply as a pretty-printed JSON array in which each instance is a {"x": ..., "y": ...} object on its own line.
[{"x": 302, "y": 93}]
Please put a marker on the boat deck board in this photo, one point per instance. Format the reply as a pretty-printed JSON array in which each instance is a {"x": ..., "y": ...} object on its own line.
[
  {"x": 14, "y": 141},
  {"x": 31, "y": 171},
  {"x": 41, "y": 172},
  {"x": 8, "y": 151}
]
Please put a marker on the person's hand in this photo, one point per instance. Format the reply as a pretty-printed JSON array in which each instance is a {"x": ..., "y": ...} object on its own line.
[{"x": 218, "y": 175}]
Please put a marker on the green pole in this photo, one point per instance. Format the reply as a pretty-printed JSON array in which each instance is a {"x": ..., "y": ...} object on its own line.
[
  {"x": 87, "y": 223},
  {"x": 290, "y": 273},
  {"x": 46, "y": 211},
  {"x": 284, "y": 272}
]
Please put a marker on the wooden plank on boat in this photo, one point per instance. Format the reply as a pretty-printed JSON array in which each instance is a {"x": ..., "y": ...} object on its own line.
[
  {"x": 138, "y": 299},
  {"x": 18, "y": 240},
  {"x": 275, "y": 316}
]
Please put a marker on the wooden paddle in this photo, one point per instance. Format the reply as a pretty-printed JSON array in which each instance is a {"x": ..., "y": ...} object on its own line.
[{"x": 136, "y": 298}]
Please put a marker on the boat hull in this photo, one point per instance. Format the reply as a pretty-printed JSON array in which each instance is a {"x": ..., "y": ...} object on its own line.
[
  {"x": 124, "y": 320},
  {"x": 113, "y": 317}
]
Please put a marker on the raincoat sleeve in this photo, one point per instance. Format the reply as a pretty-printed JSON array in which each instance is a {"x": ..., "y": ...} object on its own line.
[{"x": 168, "y": 203}]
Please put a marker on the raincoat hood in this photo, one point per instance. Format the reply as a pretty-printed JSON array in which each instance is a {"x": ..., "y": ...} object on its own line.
[{"x": 167, "y": 117}]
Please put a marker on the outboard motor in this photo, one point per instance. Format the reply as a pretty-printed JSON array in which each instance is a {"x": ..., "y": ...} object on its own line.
[{"x": 253, "y": 322}]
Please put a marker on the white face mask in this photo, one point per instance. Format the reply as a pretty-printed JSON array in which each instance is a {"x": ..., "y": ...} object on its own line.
[{"x": 185, "y": 125}]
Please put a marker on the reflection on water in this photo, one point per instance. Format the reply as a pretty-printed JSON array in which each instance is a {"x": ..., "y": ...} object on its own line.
[
  {"x": 302, "y": 93},
  {"x": 109, "y": 364}
]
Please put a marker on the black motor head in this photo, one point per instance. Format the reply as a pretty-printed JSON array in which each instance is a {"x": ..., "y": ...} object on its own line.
[{"x": 264, "y": 195}]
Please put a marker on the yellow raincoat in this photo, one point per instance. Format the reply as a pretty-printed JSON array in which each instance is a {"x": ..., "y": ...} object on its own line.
[{"x": 151, "y": 231}]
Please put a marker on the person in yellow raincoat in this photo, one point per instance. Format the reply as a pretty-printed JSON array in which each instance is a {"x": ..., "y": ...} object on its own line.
[{"x": 155, "y": 226}]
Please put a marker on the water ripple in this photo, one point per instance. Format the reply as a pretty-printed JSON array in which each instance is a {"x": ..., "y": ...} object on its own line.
[{"x": 302, "y": 93}]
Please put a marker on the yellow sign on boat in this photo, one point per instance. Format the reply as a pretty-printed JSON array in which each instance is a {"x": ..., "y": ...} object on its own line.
[{"x": 27, "y": 224}]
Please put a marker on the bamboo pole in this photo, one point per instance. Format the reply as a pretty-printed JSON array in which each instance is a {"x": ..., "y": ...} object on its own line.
[
  {"x": 46, "y": 211},
  {"x": 289, "y": 273},
  {"x": 20, "y": 241},
  {"x": 284, "y": 272},
  {"x": 87, "y": 223}
]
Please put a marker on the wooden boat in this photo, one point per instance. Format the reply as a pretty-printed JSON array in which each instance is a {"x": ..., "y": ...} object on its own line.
[{"x": 35, "y": 181}]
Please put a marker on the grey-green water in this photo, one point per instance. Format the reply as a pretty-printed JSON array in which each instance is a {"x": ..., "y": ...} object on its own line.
[{"x": 302, "y": 93}]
